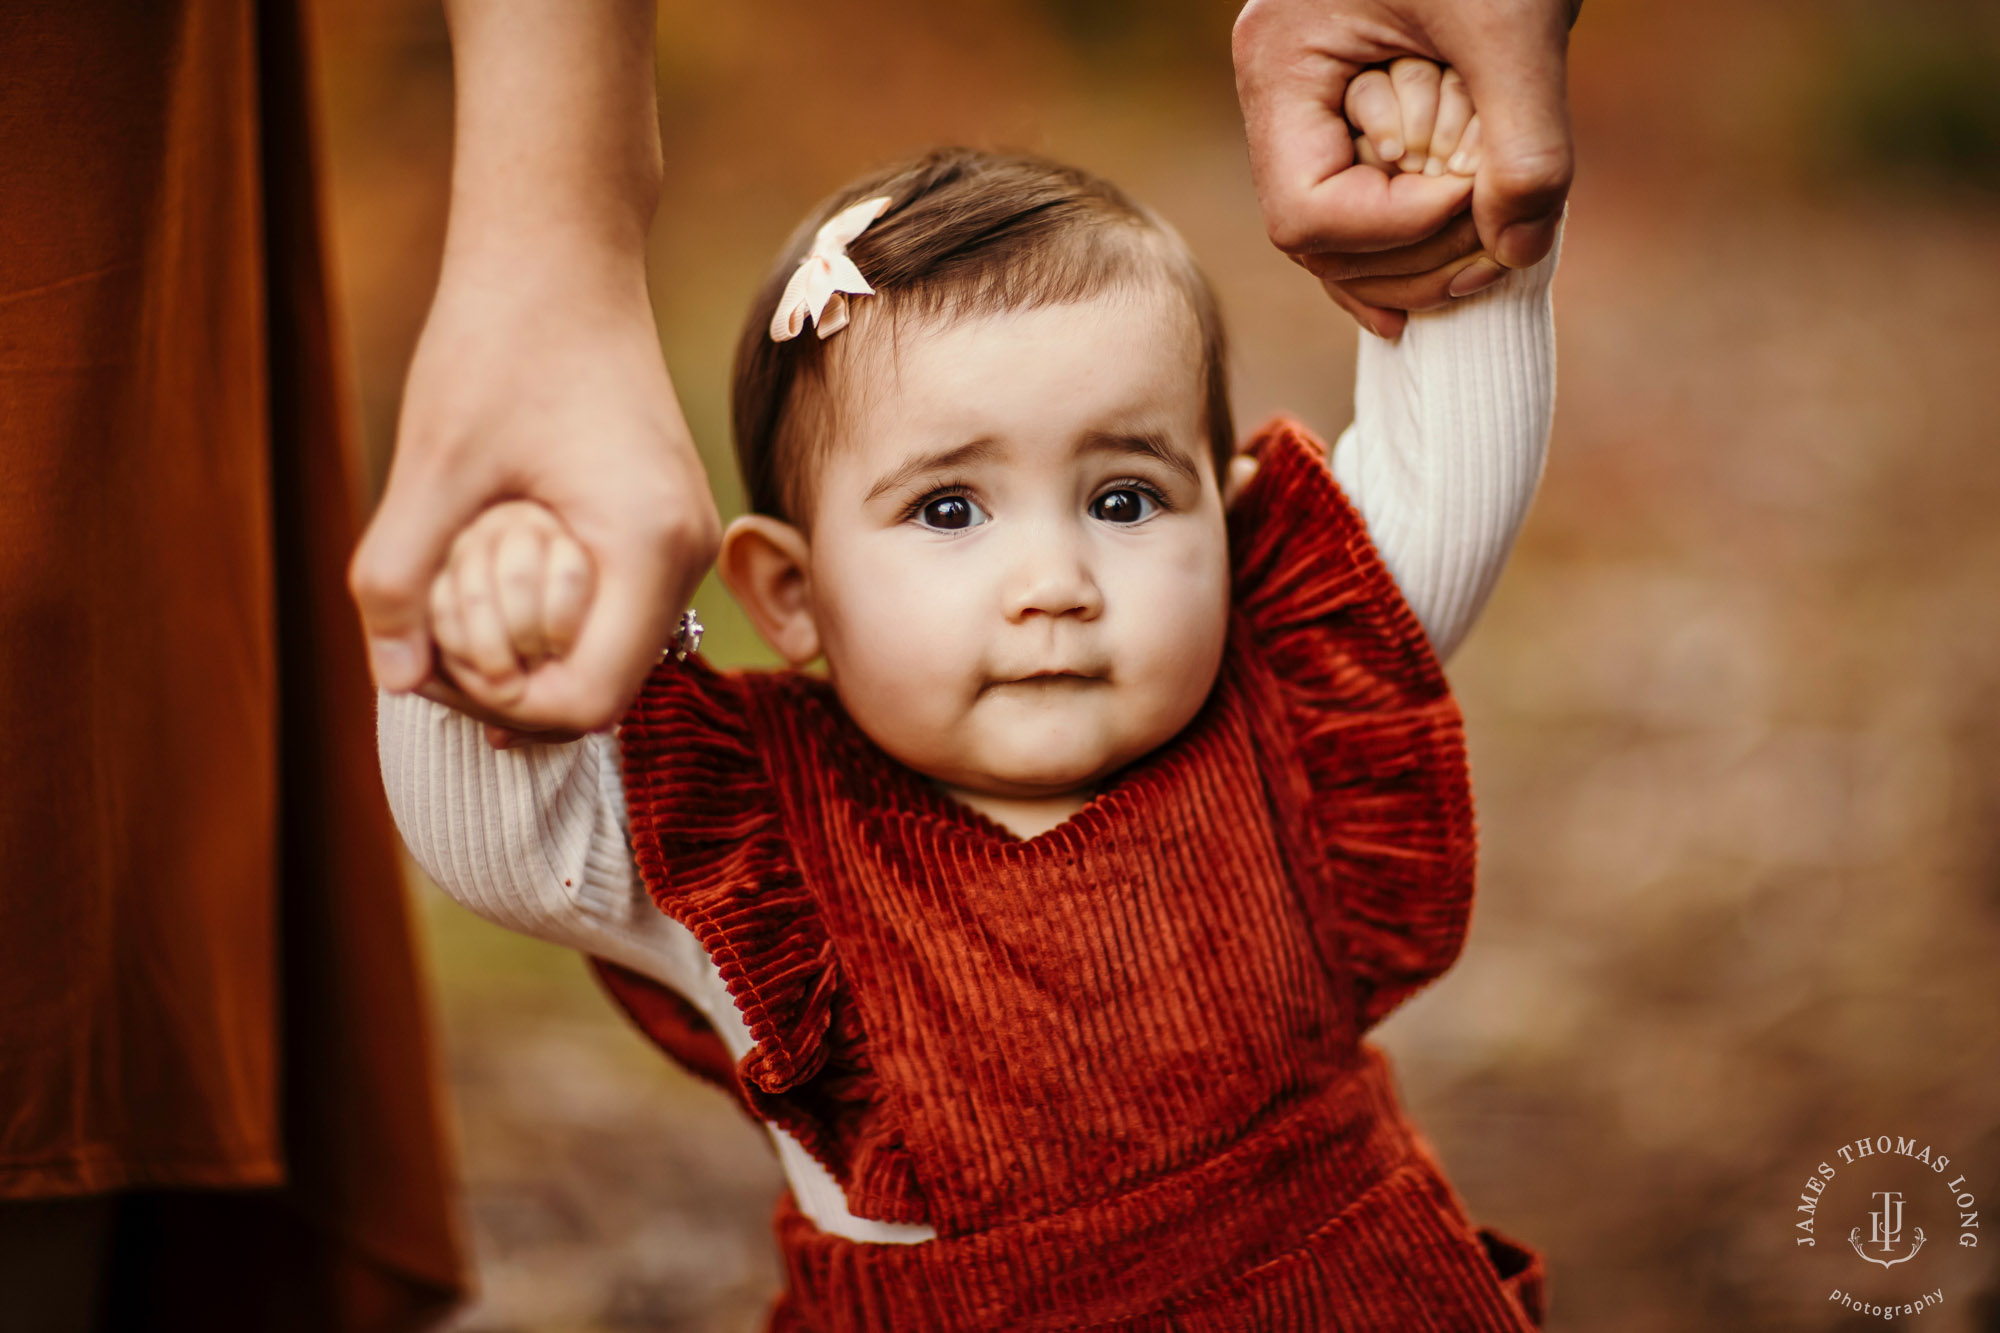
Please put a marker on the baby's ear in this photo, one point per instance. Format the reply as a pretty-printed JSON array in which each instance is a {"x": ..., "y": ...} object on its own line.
[{"x": 763, "y": 564}]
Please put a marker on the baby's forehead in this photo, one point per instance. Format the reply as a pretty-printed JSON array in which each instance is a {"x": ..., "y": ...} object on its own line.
[
  {"x": 896, "y": 358},
  {"x": 1131, "y": 353},
  {"x": 1043, "y": 384}
]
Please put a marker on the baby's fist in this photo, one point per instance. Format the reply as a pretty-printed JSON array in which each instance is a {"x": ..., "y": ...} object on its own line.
[
  {"x": 513, "y": 593},
  {"x": 1415, "y": 117}
]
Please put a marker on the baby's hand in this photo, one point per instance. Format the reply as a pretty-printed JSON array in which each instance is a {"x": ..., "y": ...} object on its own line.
[
  {"x": 1415, "y": 117},
  {"x": 513, "y": 594}
]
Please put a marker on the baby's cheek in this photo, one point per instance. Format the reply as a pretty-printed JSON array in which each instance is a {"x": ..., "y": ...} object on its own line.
[
  {"x": 902, "y": 654},
  {"x": 900, "y": 621},
  {"x": 1181, "y": 670},
  {"x": 1178, "y": 614}
]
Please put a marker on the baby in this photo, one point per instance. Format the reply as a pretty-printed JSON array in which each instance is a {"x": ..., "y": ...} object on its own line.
[{"x": 1043, "y": 929}]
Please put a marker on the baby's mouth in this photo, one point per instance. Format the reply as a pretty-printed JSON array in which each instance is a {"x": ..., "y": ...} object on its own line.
[{"x": 1043, "y": 681}]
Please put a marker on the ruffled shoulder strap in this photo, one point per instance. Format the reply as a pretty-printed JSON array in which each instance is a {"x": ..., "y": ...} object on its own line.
[
  {"x": 710, "y": 845},
  {"x": 1380, "y": 792},
  {"x": 717, "y": 853}
]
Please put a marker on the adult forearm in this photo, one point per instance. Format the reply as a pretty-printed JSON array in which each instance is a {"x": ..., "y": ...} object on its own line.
[
  {"x": 538, "y": 375},
  {"x": 557, "y": 151}
]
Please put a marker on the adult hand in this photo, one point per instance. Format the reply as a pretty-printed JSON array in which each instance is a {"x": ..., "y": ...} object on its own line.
[
  {"x": 538, "y": 375},
  {"x": 553, "y": 391},
  {"x": 1386, "y": 245}
]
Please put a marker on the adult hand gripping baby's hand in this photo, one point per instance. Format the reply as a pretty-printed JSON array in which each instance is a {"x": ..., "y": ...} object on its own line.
[
  {"x": 554, "y": 390},
  {"x": 1384, "y": 244}
]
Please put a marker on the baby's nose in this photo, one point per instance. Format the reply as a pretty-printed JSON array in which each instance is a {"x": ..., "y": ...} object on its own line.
[{"x": 1052, "y": 577}]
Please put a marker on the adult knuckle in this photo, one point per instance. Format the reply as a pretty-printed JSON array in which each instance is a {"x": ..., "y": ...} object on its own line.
[
  {"x": 690, "y": 532},
  {"x": 1455, "y": 242},
  {"x": 1248, "y": 28},
  {"x": 1332, "y": 266},
  {"x": 372, "y": 582},
  {"x": 1536, "y": 171},
  {"x": 660, "y": 508},
  {"x": 1291, "y": 230}
]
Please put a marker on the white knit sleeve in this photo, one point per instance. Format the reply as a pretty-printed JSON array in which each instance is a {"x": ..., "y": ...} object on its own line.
[
  {"x": 1451, "y": 427},
  {"x": 533, "y": 839}
]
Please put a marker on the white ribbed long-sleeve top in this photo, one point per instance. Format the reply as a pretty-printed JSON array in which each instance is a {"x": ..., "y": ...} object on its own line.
[{"x": 1451, "y": 428}]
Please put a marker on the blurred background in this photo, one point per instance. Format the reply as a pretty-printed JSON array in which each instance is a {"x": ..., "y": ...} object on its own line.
[{"x": 1735, "y": 710}]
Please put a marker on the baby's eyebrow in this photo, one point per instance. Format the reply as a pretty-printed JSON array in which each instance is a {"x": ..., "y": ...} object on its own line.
[
  {"x": 978, "y": 451},
  {"x": 1145, "y": 444}
]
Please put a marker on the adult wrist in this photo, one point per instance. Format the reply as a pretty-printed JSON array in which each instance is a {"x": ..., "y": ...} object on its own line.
[
  {"x": 530, "y": 259},
  {"x": 599, "y": 224}
]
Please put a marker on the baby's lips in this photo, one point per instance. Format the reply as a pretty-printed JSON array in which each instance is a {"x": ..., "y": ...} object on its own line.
[{"x": 1048, "y": 673}]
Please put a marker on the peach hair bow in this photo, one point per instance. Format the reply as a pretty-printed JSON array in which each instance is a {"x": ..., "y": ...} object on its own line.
[{"x": 826, "y": 276}]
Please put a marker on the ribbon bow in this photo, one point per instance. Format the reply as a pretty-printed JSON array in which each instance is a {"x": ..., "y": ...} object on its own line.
[{"x": 826, "y": 275}]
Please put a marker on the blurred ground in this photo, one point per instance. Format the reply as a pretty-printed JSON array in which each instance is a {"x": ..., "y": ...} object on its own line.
[{"x": 1735, "y": 710}]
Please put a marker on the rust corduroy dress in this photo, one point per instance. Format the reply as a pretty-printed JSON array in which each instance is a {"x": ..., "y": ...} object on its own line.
[{"x": 1119, "y": 1066}]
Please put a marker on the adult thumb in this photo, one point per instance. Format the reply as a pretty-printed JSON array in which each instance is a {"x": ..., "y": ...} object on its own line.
[
  {"x": 390, "y": 578},
  {"x": 1517, "y": 75}
]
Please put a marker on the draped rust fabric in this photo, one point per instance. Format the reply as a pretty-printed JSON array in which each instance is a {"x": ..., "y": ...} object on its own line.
[
  {"x": 209, "y": 1001},
  {"x": 1119, "y": 1067}
]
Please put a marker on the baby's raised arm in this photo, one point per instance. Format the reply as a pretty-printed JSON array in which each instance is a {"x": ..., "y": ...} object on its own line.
[
  {"x": 1451, "y": 421},
  {"x": 533, "y": 837}
]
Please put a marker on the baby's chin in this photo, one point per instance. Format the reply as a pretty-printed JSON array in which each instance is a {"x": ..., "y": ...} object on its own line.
[{"x": 1034, "y": 762}]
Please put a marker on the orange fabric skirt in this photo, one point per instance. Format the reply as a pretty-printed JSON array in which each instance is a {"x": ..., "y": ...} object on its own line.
[{"x": 208, "y": 990}]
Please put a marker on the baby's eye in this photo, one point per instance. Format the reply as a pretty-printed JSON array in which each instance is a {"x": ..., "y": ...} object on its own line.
[
  {"x": 1124, "y": 505},
  {"x": 950, "y": 513}
]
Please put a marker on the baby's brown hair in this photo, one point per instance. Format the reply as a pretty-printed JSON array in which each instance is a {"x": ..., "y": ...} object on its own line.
[{"x": 965, "y": 233}]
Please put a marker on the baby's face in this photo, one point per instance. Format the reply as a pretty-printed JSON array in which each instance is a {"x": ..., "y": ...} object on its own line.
[{"x": 1018, "y": 565}]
